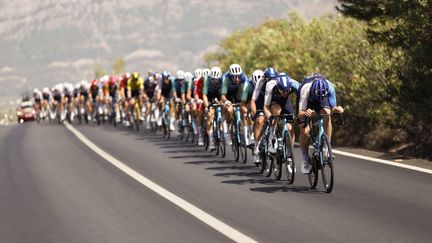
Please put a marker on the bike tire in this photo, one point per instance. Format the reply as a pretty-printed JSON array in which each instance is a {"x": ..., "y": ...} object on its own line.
[
  {"x": 313, "y": 175},
  {"x": 327, "y": 169},
  {"x": 289, "y": 162},
  {"x": 268, "y": 164},
  {"x": 277, "y": 167}
]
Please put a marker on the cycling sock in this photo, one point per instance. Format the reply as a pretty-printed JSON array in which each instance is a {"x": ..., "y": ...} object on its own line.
[
  {"x": 225, "y": 126},
  {"x": 305, "y": 156},
  {"x": 245, "y": 133}
]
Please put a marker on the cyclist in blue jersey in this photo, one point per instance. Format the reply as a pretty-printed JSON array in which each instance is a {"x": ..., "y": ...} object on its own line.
[
  {"x": 211, "y": 94},
  {"x": 164, "y": 93},
  {"x": 317, "y": 96},
  {"x": 232, "y": 89},
  {"x": 257, "y": 104},
  {"x": 277, "y": 101}
]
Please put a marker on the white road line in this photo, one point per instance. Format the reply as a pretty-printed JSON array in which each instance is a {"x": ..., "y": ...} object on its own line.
[
  {"x": 381, "y": 161},
  {"x": 213, "y": 222}
]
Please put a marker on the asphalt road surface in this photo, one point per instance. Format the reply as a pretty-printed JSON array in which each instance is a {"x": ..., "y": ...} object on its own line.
[{"x": 54, "y": 188}]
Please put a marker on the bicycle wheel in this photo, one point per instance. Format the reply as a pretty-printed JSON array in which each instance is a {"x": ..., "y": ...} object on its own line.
[
  {"x": 327, "y": 170},
  {"x": 235, "y": 144},
  {"x": 289, "y": 161},
  {"x": 222, "y": 142},
  {"x": 277, "y": 167},
  {"x": 243, "y": 146},
  {"x": 205, "y": 140},
  {"x": 268, "y": 165},
  {"x": 313, "y": 175}
]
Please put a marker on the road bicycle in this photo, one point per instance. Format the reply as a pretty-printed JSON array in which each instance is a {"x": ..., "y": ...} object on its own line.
[
  {"x": 238, "y": 145},
  {"x": 320, "y": 154},
  {"x": 284, "y": 154}
]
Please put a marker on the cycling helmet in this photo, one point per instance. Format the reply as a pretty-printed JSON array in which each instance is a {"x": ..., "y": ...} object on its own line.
[
  {"x": 180, "y": 74},
  {"x": 319, "y": 88},
  {"x": 270, "y": 73},
  {"x": 188, "y": 76},
  {"x": 135, "y": 75},
  {"x": 257, "y": 75},
  {"x": 36, "y": 91},
  {"x": 235, "y": 69},
  {"x": 165, "y": 74},
  {"x": 158, "y": 76},
  {"x": 45, "y": 90},
  {"x": 126, "y": 76},
  {"x": 216, "y": 72},
  {"x": 198, "y": 73},
  {"x": 205, "y": 72},
  {"x": 283, "y": 82}
]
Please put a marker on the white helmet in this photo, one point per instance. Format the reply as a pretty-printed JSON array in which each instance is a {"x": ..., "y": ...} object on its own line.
[
  {"x": 235, "y": 69},
  {"x": 83, "y": 82},
  {"x": 257, "y": 75},
  {"x": 216, "y": 72},
  {"x": 45, "y": 90},
  {"x": 198, "y": 73},
  {"x": 180, "y": 74},
  {"x": 205, "y": 72},
  {"x": 188, "y": 76},
  {"x": 157, "y": 76},
  {"x": 36, "y": 91},
  {"x": 104, "y": 79}
]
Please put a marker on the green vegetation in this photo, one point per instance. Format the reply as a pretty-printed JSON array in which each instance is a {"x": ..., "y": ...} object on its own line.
[
  {"x": 98, "y": 71},
  {"x": 366, "y": 73},
  {"x": 119, "y": 66}
]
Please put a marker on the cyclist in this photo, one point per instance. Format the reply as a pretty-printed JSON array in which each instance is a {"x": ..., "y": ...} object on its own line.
[
  {"x": 197, "y": 105},
  {"x": 260, "y": 79},
  {"x": 123, "y": 93},
  {"x": 164, "y": 93},
  {"x": 277, "y": 101},
  {"x": 232, "y": 83},
  {"x": 149, "y": 93},
  {"x": 111, "y": 90},
  {"x": 37, "y": 97},
  {"x": 135, "y": 90},
  {"x": 317, "y": 96},
  {"x": 57, "y": 93},
  {"x": 178, "y": 83},
  {"x": 211, "y": 93},
  {"x": 46, "y": 99}
]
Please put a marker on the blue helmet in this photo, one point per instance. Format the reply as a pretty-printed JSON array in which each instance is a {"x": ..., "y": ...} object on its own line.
[
  {"x": 165, "y": 74},
  {"x": 284, "y": 82},
  {"x": 270, "y": 73},
  {"x": 319, "y": 88}
]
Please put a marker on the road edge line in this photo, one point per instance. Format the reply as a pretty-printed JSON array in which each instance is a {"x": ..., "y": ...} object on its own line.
[{"x": 198, "y": 213}]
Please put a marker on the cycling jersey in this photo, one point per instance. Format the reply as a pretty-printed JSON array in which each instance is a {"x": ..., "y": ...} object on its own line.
[
  {"x": 149, "y": 88},
  {"x": 198, "y": 87},
  {"x": 306, "y": 101},
  {"x": 233, "y": 91},
  {"x": 212, "y": 88},
  {"x": 259, "y": 94},
  {"x": 273, "y": 96},
  {"x": 178, "y": 84},
  {"x": 166, "y": 89},
  {"x": 135, "y": 85},
  {"x": 248, "y": 89}
]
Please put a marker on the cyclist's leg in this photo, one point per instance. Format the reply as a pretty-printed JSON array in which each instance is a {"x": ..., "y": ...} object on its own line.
[{"x": 243, "y": 111}]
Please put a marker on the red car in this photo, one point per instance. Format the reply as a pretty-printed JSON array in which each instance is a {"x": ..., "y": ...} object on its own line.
[{"x": 26, "y": 112}]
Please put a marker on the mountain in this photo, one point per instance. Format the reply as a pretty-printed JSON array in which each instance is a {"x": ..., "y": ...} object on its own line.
[{"x": 48, "y": 41}]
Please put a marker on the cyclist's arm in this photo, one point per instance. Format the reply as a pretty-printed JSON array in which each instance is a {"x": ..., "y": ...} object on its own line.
[
  {"x": 224, "y": 87},
  {"x": 304, "y": 95},
  {"x": 189, "y": 90},
  {"x": 205, "y": 91},
  {"x": 268, "y": 97}
]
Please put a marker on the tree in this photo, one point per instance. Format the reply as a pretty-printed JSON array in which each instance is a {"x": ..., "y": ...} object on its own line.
[{"x": 119, "y": 66}]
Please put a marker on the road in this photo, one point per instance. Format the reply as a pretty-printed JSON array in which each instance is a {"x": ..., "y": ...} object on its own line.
[{"x": 56, "y": 189}]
